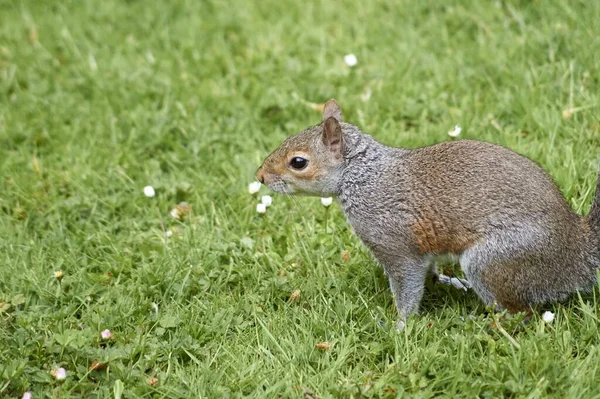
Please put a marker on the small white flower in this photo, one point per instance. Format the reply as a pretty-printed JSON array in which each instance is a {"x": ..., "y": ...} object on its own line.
[
  {"x": 169, "y": 233},
  {"x": 155, "y": 307},
  {"x": 326, "y": 201},
  {"x": 267, "y": 200},
  {"x": 350, "y": 60},
  {"x": 106, "y": 334},
  {"x": 254, "y": 187},
  {"x": 27, "y": 395},
  {"x": 149, "y": 191},
  {"x": 455, "y": 132},
  {"x": 261, "y": 208},
  {"x": 59, "y": 374},
  {"x": 548, "y": 317},
  {"x": 174, "y": 213}
]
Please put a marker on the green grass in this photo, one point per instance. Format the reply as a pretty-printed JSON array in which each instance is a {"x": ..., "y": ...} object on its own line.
[{"x": 100, "y": 98}]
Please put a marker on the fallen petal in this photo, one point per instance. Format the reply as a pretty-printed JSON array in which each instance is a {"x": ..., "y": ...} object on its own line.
[
  {"x": 295, "y": 296},
  {"x": 96, "y": 365},
  {"x": 323, "y": 346},
  {"x": 254, "y": 187},
  {"x": 350, "y": 60},
  {"x": 149, "y": 191}
]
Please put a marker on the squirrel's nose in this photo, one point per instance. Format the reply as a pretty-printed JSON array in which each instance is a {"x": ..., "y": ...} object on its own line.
[{"x": 260, "y": 176}]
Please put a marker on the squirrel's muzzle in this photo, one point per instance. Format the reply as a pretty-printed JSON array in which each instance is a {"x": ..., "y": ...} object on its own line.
[{"x": 260, "y": 176}]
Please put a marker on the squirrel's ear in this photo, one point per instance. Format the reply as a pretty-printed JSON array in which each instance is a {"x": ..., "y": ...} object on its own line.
[
  {"x": 332, "y": 136},
  {"x": 332, "y": 109}
]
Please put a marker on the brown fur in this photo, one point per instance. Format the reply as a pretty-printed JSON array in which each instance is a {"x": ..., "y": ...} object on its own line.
[{"x": 434, "y": 236}]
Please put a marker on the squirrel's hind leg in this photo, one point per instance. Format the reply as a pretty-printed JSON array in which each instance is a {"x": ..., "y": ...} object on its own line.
[
  {"x": 473, "y": 262},
  {"x": 501, "y": 270}
]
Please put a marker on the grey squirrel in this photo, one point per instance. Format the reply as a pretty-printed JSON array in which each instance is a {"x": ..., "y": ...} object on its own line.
[{"x": 518, "y": 242}]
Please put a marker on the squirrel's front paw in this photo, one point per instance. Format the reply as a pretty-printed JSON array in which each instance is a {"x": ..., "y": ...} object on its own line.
[{"x": 455, "y": 282}]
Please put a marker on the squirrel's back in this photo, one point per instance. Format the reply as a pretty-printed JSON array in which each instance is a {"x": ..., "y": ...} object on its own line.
[
  {"x": 483, "y": 181},
  {"x": 453, "y": 194}
]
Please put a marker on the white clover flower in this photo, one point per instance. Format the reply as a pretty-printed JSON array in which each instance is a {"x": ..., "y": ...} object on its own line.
[
  {"x": 350, "y": 60},
  {"x": 27, "y": 395},
  {"x": 261, "y": 208},
  {"x": 59, "y": 374},
  {"x": 149, "y": 191},
  {"x": 267, "y": 200},
  {"x": 106, "y": 334},
  {"x": 455, "y": 132},
  {"x": 169, "y": 233},
  {"x": 326, "y": 201},
  {"x": 254, "y": 187},
  {"x": 548, "y": 317},
  {"x": 174, "y": 213}
]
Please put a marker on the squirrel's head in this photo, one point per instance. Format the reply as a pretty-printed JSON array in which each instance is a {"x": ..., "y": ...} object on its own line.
[{"x": 310, "y": 162}]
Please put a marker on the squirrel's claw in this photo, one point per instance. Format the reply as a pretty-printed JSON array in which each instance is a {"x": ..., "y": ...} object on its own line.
[{"x": 455, "y": 282}]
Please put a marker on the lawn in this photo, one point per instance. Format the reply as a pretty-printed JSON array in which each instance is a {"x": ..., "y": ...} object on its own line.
[{"x": 99, "y": 99}]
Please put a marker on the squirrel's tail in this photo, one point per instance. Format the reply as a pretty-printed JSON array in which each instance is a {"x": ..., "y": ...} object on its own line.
[{"x": 594, "y": 215}]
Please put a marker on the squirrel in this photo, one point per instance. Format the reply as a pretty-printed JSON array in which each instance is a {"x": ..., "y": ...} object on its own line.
[{"x": 517, "y": 241}]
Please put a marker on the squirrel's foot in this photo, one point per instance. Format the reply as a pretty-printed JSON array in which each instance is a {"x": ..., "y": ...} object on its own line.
[{"x": 458, "y": 283}]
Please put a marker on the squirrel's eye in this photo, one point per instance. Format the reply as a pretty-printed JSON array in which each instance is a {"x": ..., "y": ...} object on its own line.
[{"x": 298, "y": 163}]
